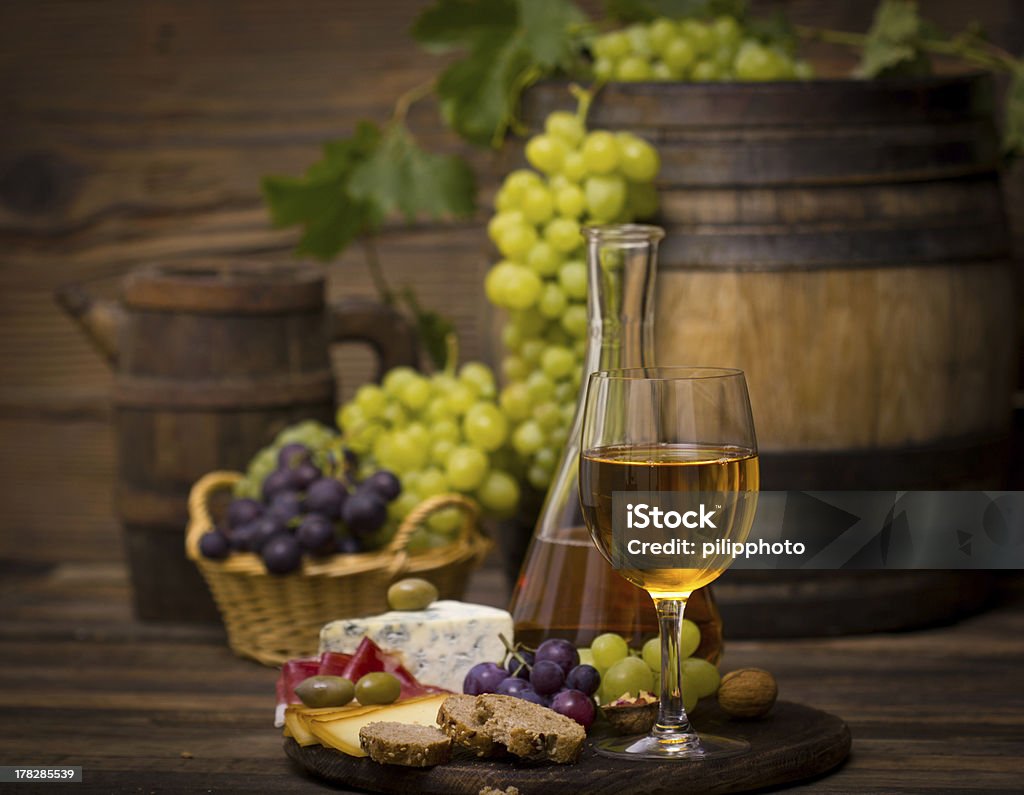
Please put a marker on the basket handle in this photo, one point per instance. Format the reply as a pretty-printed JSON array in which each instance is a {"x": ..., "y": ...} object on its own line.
[
  {"x": 199, "y": 519},
  {"x": 418, "y": 515}
]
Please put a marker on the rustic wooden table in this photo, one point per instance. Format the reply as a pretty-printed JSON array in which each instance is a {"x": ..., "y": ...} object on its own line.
[{"x": 152, "y": 709}]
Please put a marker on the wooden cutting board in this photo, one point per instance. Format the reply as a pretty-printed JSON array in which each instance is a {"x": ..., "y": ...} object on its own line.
[{"x": 791, "y": 744}]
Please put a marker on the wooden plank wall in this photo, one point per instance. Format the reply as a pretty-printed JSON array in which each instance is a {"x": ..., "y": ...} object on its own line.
[{"x": 135, "y": 130}]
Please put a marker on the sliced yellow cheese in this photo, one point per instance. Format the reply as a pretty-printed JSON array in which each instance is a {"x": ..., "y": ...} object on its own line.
[
  {"x": 342, "y": 731},
  {"x": 297, "y": 718}
]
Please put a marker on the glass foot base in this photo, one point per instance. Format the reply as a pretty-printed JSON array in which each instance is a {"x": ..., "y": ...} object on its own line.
[{"x": 684, "y": 747}]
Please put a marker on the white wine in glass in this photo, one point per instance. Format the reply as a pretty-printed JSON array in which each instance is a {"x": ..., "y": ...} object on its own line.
[{"x": 684, "y": 435}]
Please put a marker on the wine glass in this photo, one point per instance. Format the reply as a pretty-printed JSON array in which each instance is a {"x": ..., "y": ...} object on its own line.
[{"x": 680, "y": 439}]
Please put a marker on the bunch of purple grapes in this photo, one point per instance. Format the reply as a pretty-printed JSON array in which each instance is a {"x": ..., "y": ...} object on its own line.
[
  {"x": 552, "y": 676},
  {"x": 304, "y": 510}
]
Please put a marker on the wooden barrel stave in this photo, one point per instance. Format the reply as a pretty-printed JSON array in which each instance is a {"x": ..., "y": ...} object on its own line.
[
  {"x": 223, "y": 345},
  {"x": 797, "y": 248},
  {"x": 911, "y": 354},
  {"x": 730, "y": 106},
  {"x": 967, "y": 200},
  {"x": 826, "y": 156}
]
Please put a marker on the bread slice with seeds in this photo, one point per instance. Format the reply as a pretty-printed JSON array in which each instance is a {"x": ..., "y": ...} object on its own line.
[
  {"x": 392, "y": 743},
  {"x": 458, "y": 719},
  {"x": 529, "y": 730}
]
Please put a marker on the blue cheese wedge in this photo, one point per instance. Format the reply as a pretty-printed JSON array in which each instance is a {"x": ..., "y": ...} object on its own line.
[{"x": 438, "y": 645}]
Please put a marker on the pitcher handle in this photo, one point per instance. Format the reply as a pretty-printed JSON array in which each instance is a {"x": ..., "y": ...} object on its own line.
[{"x": 383, "y": 328}]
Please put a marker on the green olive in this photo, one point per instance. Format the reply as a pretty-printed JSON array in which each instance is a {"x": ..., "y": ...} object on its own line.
[
  {"x": 411, "y": 594},
  {"x": 326, "y": 691},
  {"x": 378, "y": 688}
]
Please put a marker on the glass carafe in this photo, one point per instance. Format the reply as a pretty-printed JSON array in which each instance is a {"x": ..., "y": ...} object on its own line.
[{"x": 566, "y": 588}]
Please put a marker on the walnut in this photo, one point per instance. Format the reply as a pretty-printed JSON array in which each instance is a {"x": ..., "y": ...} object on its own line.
[{"x": 747, "y": 693}]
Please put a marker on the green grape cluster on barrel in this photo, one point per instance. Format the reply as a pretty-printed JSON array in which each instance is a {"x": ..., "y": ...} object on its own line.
[
  {"x": 692, "y": 50},
  {"x": 581, "y": 177}
]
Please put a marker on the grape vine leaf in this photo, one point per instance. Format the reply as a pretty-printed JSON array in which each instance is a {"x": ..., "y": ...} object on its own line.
[
  {"x": 461, "y": 23},
  {"x": 477, "y": 93},
  {"x": 319, "y": 201},
  {"x": 545, "y": 29},
  {"x": 399, "y": 176},
  {"x": 775, "y": 30},
  {"x": 1013, "y": 125},
  {"x": 362, "y": 179},
  {"x": 508, "y": 43},
  {"x": 334, "y": 227},
  {"x": 342, "y": 154},
  {"x": 893, "y": 42},
  {"x": 646, "y": 10}
]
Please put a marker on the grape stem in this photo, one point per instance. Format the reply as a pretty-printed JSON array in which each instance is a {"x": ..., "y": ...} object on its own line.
[
  {"x": 584, "y": 99},
  {"x": 367, "y": 238},
  {"x": 967, "y": 46},
  {"x": 451, "y": 352},
  {"x": 410, "y": 98},
  {"x": 514, "y": 652},
  {"x": 523, "y": 81},
  {"x": 408, "y": 296},
  {"x": 380, "y": 283}
]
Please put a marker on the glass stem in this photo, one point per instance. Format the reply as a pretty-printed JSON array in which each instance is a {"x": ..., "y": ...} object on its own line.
[{"x": 673, "y": 729}]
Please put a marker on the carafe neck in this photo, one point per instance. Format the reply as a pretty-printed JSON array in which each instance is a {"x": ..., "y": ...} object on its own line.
[{"x": 621, "y": 264}]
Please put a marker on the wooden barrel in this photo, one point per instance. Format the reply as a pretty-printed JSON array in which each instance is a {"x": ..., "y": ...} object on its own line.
[
  {"x": 844, "y": 243},
  {"x": 213, "y": 358}
]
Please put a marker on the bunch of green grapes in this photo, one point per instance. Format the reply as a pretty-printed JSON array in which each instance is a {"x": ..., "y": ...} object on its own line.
[
  {"x": 439, "y": 434},
  {"x": 624, "y": 671},
  {"x": 582, "y": 177},
  {"x": 318, "y": 438},
  {"x": 689, "y": 49}
]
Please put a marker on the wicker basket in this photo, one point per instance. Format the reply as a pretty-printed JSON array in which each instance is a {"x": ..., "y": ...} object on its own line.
[{"x": 273, "y": 618}]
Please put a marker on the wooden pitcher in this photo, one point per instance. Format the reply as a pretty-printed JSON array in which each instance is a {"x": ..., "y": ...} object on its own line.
[{"x": 212, "y": 358}]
